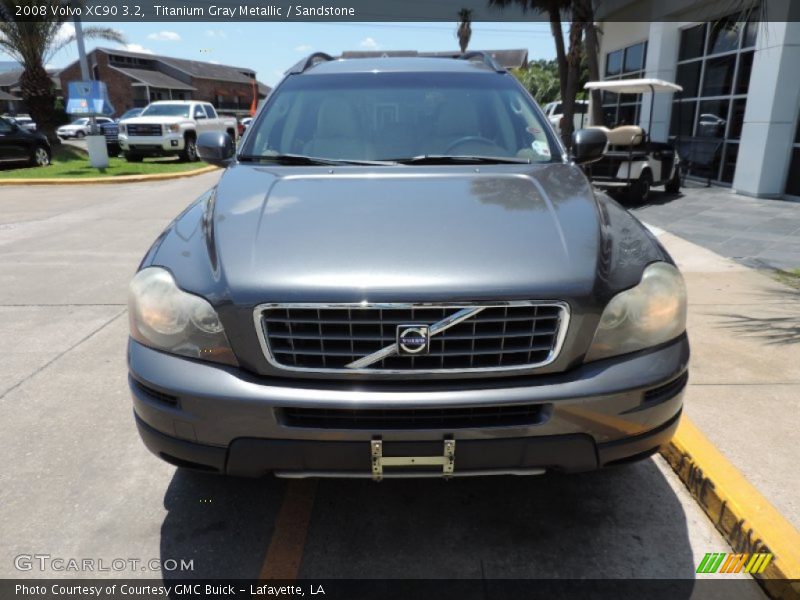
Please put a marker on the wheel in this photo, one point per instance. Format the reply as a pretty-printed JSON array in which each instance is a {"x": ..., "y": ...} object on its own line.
[
  {"x": 40, "y": 157},
  {"x": 640, "y": 189},
  {"x": 189, "y": 152},
  {"x": 135, "y": 158},
  {"x": 79, "y": 134},
  {"x": 616, "y": 194},
  {"x": 673, "y": 186}
]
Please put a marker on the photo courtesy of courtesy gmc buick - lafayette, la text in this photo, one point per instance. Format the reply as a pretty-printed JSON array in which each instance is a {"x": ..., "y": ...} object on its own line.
[{"x": 402, "y": 272}]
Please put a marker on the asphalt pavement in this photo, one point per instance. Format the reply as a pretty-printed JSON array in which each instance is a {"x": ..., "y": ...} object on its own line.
[{"x": 77, "y": 482}]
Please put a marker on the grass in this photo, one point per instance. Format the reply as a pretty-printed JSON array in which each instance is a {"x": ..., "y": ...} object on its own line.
[
  {"x": 790, "y": 277},
  {"x": 70, "y": 162}
]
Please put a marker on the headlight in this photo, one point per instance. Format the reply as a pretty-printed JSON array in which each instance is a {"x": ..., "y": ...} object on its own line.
[
  {"x": 165, "y": 317},
  {"x": 174, "y": 128},
  {"x": 649, "y": 314}
]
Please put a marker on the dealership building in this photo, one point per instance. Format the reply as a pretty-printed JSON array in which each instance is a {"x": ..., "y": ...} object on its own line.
[{"x": 738, "y": 117}]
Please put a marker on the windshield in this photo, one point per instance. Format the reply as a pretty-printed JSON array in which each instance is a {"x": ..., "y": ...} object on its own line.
[
  {"x": 396, "y": 116},
  {"x": 131, "y": 113},
  {"x": 166, "y": 110},
  {"x": 80, "y": 121}
]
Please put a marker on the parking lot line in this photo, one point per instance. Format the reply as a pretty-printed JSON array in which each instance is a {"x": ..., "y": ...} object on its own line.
[
  {"x": 285, "y": 552},
  {"x": 747, "y": 520}
]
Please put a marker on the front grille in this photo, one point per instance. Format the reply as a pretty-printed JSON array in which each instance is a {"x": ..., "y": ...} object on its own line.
[
  {"x": 144, "y": 129},
  {"x": 423, "y": 418},
  {"x": 328, "y": 338}
]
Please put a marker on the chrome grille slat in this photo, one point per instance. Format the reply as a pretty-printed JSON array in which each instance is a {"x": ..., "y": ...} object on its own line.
[{"x": 480, "y": 337}]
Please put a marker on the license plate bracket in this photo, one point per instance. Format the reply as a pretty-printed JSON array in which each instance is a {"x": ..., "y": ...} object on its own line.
[{"x": 447, "y": 459}]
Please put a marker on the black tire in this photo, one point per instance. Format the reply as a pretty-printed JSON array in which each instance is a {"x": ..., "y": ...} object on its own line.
[
  {"x": 673, "y": 186},
  {"x": 189, "y": 152},
  {"x": 639, "y": 190},
  {"x": 40, "y": 157},
  {"x": 616, "y": 194},
  {"x": 79, "y": 135},
  {"x": 134, "y": 158}
]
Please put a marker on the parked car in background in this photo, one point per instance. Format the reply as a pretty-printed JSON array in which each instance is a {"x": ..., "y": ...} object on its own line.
[
  {"x": 18, "y": 145},
  {"x": 434, "y": 292},
  {"x": 171, "y": 127},
  {"x": 246, "y": 123},
  {"x": 79, "y": 128},
  {"x": 23, "y": 121},
  {"x": 111, "y": 133},
  {"x": 554, "y": 111}
]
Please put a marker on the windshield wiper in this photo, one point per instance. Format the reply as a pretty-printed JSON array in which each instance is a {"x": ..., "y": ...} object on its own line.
[
  {"x": 301, "y": 159},
  {"x": 445, "y": 159}
]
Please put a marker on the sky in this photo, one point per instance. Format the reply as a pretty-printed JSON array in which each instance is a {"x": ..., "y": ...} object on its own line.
[{"x": 272, "y": 47}]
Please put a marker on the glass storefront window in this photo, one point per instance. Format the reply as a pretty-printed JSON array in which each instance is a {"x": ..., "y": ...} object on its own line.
[
  {"x": 688, "y": 77},
  {"x": 724, "y": 35},
  {"x": 714, "y": 71},
  {"x": 625, "y": 63},
  {"x": 682, "y": 123},
  {"x": 692, "y": 41},
  {"x": 718, "y": 77},
  {"x": 713, "y": 118},
  {"x": 634, "y": 58},
  {"x": 729, "y": 162},
  {"x": 737, "y": 118},
  {"x": 614, "y": 63}
]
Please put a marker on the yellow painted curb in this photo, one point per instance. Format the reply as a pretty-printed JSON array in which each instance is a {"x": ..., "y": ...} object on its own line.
[
  {"x": 119, "y": 179},
  {"x": 738, "y": 510}
]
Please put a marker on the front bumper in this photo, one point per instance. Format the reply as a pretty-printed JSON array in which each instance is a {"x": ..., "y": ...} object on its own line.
[
  {"x": 152, "y": 145},
  {"x": 222, "y": 419}
]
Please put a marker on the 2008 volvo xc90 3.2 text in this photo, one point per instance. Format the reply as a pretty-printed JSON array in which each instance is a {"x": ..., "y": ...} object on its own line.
[{"x": 402, "y": 272}]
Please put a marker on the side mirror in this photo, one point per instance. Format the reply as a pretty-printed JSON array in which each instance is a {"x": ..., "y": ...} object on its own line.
[
  {"x": 216, "y": 148},
  {"x": 588, "y": 145}
]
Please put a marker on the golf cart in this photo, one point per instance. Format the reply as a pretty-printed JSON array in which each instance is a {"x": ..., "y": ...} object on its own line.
[{"x": 633, "y": 163}]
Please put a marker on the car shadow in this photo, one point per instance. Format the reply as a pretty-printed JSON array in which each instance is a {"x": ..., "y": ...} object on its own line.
[{"x": 622, "y": 522}]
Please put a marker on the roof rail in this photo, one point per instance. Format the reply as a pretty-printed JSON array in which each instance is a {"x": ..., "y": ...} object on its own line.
[
  {"x": 309, "y": 62},
  {"x": 487, "y": 60}
]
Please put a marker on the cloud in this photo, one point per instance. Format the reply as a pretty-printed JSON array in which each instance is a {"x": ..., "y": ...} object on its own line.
[
  {"x": 369, "y": 43},
  {"x": 165, "y": 36},
  {"x": 216, "y": 33},
  {"x": 65, "y": 32},
  {"x": 302, "y": 48},
  {"x": 138, "y": 48}
]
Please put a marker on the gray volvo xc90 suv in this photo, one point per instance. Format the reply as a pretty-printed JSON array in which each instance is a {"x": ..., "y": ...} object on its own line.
[{"x": 401, "y": 272}]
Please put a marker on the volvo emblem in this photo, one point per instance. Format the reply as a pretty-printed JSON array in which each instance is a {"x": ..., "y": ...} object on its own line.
[{"x": 412, "y": 339}]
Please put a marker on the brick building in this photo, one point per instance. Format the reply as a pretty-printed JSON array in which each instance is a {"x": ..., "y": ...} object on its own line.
[
  {"x": 10, "y": 93},
  {"x": 135, "y": 79}
]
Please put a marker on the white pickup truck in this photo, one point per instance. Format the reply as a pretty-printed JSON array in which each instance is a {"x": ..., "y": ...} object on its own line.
[{"x": 171, "y": 127}]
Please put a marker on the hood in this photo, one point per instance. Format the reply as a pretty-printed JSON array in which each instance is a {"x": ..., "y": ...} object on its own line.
[
  {"x": 285, "y": 234},
  {"x": 154, "y": 120}
]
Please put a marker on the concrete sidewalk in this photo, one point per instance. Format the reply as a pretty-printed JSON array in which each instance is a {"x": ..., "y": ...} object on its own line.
[{"x": 744, "y": 386}]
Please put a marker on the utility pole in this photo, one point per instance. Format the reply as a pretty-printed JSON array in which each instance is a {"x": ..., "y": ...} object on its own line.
[{"x": 98, "y": 154}]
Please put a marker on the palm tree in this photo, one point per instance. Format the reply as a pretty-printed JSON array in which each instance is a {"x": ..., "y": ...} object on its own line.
[
  {"x": 464, "y": 31},
  {"x": 568, "y": 62},
  {"x": 33, "y": 43}
]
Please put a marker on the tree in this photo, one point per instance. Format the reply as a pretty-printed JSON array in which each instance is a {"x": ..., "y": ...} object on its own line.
[
  {"x": 33, "y": 43},
  {"x": 569, "y": 60},
  {"x": 464, "y": 31},
  {"x": 540, "y": 78}
]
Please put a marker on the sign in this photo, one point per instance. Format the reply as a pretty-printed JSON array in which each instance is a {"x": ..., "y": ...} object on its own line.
[{"x": 88, "y": 98}]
